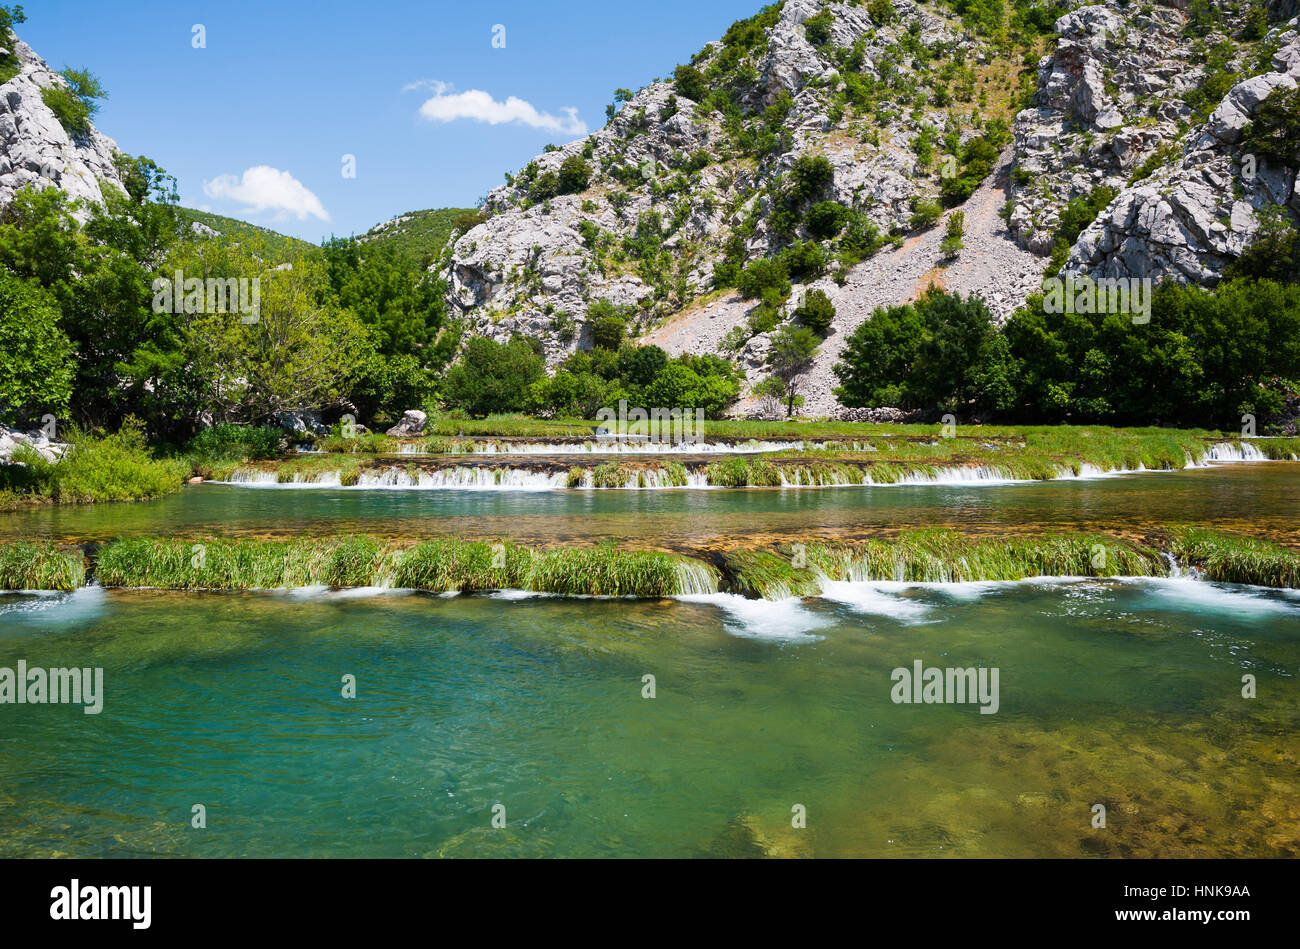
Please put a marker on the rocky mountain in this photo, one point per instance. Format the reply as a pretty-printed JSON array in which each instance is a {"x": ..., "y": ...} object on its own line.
[
  {"x": 35, "y": 148},
  {"x": 1131, "y": 111}
]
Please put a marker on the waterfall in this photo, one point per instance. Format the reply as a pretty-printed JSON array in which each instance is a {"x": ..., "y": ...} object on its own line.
[
  {"x": 1234, "y": 451},
  {"x": 695, "y": 577}
]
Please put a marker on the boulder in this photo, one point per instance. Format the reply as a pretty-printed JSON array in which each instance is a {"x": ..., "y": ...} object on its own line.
[{"x": 412, "y": 423}]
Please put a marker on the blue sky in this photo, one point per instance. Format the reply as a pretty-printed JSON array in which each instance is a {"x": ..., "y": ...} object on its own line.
[{"x": 283, "y": 90}]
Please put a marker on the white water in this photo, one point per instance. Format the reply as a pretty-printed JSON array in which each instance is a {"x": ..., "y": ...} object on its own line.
[
  {"x": 521, "y": 479},
  {"x": 786, "y": 621},
  {"x": 1239, "y": 451},
  {"x": 874, "y": 598},
  {"x": 615, "y": 446},
  {"x": 1203, "y": 596}
]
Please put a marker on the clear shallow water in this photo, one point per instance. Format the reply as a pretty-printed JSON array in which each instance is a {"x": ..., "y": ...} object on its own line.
[
  {"x": 1260, "y": 498},
  {"x": 1125, "y": 694}
]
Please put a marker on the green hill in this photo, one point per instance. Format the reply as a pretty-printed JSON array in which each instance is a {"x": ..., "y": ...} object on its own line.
[
  {"x": 281, "y": 246},
  {"x": 420, "y": 235}
]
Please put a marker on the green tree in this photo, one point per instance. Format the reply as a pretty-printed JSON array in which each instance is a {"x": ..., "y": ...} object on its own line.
[
  {"x": 952, "y": 242},
  {"x": 492, "y": 377},
  {"x": 37, "y": 369},
  {"x": 299, "y": 349},
  {"x": 1275, "y": 130},
  {"x": 76, "y": 101},
  {"x": 938, "y": 352},
  {"x": 608, "y": 324},
  {"x": 691, "y": 83},
  {"x": 791, "y": 356}
]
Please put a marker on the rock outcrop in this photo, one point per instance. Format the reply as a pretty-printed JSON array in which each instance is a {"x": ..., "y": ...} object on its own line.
[
  {"x": 1195, "y": 215},
  {"x": 35, "y": 148},
  {"x": 13, "y": 441}
]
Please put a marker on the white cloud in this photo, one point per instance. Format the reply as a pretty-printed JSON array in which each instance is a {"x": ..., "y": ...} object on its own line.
[
  {"x": 263, "y": 188},
  {"x": 436, "y": 86},
  {"x": 448, "y": 106}
]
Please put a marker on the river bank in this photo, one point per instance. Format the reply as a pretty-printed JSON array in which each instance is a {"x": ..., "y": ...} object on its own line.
[{"x": 777, "y": 573}]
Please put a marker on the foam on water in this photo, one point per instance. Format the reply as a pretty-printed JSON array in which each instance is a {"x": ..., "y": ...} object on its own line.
[
  {"x": 52, "y": 608},
  {"x": 874, "y": 598},
  {"x": 1201, "y": 596},
  {"x": 770, "y": 620},
  {"x": 520, "y": 595}
]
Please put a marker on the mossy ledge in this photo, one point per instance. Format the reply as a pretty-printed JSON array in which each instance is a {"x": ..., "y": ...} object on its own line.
[
  {"x": 439, "y": 566},
  {"x": 444, "y": 566}
]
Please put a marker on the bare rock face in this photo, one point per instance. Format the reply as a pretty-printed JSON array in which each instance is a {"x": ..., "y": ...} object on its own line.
[
  {"x": 1109, "y": 96},
  {"x": 36, "y": 150},
  {"x": 1190, "y": 219}
]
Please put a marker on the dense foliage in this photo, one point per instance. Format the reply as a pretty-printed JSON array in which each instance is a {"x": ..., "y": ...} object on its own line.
[{"x": 1205, "y": 358}]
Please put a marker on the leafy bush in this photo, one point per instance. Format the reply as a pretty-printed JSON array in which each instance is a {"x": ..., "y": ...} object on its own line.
[
  {"x": 1275, "y": 131},
  {"x": 881, "y": 11},
  {"x": 691, "y": 83},
  {"x": 1075, "y": 217},
  {"x": 952, "y": 242},
  {"x": 608, "y": 324},
  {"x": 810, "y": 177},
  {"x": 74, "y": 104},
  {"x": 228, "y": 442},
  {"x": 9, "y": 64},
  {"x": 826, "y": 218},
  {"x": 116, "y": 467},
  {"x": 818, "y": 28},
  {"x": 816, "y": 312},
  {"x": 925, "y": 212},
  {"x": 575, "y": 174},
  {"x": 977, "y": 159},
  {"x": 764, "y": 274}
]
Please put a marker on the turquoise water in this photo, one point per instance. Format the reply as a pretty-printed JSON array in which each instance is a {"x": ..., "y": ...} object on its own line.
[
  {"x": 1126, "y": 694},
  {"x": 1261, "y": 498}
]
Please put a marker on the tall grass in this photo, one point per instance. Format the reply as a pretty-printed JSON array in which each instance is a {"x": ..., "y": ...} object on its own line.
[
  {"x": 1232, "y": 558},
  {"x": 936, "y": 556},
  {"x": 438, "y": 566},
  {"x": 28, "y": 565}
]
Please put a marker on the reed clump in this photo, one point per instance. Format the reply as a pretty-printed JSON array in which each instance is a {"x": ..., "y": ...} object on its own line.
[
  {"x": 1232, "y": 558},
  {"x": 39, "y": 565},
  {"x": 439, "y": 566}
]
